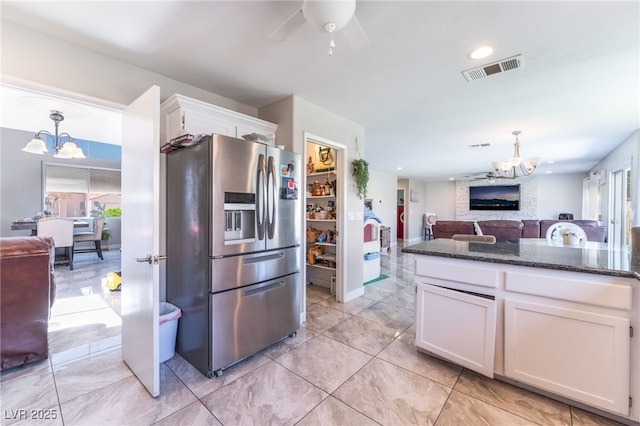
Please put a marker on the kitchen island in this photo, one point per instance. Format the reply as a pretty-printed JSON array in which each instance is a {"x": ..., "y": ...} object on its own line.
[{"x": 555, "y": 319}]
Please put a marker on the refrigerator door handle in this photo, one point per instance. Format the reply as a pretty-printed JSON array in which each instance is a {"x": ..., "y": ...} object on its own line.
[
  {"x": 272, "y": 201},
  {"x": 264, "y": 289},
  {"x": 260, "y": 197},
  {"x": 266, "y": 258}
]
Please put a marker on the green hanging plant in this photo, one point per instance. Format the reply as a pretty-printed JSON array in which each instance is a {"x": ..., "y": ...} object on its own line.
[{"x": 361, "y": 175}]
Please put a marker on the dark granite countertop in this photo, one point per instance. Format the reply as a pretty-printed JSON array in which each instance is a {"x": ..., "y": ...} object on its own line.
[{"x": 595, "y": 258}]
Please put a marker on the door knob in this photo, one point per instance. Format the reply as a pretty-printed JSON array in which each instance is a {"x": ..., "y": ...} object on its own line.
[{"x": 151, "y": 260}]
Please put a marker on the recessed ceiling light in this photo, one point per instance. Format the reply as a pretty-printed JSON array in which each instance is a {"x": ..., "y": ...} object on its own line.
[
  {"x": 551, "y": 161},
  {"x": 399, "y": 168},
  {"x": 481, "y": 52},
  {"x": 548, "y": 172},
  {"x": 452, "y": 178}
]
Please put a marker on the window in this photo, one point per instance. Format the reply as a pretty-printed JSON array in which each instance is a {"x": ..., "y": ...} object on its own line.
[{"x": 81, "y": 191}]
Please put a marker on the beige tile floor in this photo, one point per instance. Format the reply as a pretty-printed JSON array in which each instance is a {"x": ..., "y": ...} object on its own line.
[{"x": 350, "y": 364}]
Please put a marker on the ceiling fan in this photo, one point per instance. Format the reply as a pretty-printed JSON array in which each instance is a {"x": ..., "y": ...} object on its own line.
[
  {"x": 328, "y": 16},
  {"x": 490, "y": 176}
]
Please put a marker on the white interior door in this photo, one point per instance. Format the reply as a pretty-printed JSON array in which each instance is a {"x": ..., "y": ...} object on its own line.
[{"x": 141, "y": 238}]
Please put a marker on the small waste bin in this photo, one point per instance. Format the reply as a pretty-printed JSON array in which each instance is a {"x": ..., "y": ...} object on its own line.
[{"x": 169, "y": 315}]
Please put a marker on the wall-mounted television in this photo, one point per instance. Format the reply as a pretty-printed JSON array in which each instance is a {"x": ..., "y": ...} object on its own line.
[{"x": 494, "y": 197}]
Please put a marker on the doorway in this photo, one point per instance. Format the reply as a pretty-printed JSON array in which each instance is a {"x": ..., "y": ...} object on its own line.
[
  {"x": 620, "y": 207},
  {"x": 400, "y": 213},
  {"x": 324, "y": 215}
]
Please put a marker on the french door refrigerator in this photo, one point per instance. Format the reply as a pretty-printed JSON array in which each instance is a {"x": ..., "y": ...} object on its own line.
[{"x": 233, "y": 241}]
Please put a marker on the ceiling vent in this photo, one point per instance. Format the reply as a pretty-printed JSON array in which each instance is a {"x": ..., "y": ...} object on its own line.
[{"x": 493, "y": 68}]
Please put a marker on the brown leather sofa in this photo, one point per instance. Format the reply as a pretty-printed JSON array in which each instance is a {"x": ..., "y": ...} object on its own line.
[
  {"x": 505, "y": 230},
  {"x": 27, "y": 291},
  {"x": 449, "y": 228}
]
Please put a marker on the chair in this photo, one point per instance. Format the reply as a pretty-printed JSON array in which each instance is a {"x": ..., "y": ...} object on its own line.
[
  {"x": 94, "y": 236},
  {"x": 61, "y": 230},
  {"x": 554, "y": 236},
  {"x": 489, "y": 239},
  {"x": 429, "y": 221}
]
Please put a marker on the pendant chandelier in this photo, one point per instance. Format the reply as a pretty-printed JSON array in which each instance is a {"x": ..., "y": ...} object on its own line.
[
  {"x": 515, "y": 166},
  {"x": 63, "y": 149}
]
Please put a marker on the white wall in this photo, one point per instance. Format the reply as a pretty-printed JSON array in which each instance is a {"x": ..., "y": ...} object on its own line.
[
  {"x": 441, "y": 199},
  {"x": 560, "y": 194},
  {"x": 36, "y": 57},
  {"x": 414, "y": 209},
  {"x": 382, "y": 191}
]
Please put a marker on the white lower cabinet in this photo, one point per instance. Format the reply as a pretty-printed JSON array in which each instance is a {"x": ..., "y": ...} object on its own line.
[
  {"x": 575, "y": 353},
  {"x": 456, "y": 325},
  {"x": 562, "y": 332}
]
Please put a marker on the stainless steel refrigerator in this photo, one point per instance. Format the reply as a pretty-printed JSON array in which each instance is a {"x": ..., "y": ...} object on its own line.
[{"x": 233, "y": 239}]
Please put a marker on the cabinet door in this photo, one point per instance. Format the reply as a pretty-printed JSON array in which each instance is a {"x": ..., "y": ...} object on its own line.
[
  {"x": 248, "y": 127},
  {"x": 457, "y": 326},
  {"x": 578, "y": 354},
  {"x": 196, "y": 123}
]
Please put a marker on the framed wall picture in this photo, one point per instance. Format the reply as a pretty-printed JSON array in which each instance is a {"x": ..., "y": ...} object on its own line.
[{"x": 413, "y": 196}]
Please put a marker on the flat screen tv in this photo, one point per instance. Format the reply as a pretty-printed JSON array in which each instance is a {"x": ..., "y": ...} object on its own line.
[{"x": 494, "y": 197}]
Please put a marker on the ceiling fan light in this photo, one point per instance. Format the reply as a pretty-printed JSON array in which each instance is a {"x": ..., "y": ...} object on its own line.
[
  {"x": 35, "y": 146},
  {"x": 336, "y": 12}
]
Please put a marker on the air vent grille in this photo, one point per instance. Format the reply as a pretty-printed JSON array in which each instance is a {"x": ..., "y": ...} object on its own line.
[
  {"x": 493, "y": 68},
  {"x": 479, "y": 145}
]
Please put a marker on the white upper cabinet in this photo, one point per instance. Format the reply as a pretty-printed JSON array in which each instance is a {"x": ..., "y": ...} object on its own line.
[{"x": 182, "y": 115}]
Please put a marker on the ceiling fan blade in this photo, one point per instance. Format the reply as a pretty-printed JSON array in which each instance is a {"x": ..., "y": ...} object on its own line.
[
  {"x": 289, "y": 26},
  {"x": 490, "y": 176},
  {"x": 354, "y": 35}
]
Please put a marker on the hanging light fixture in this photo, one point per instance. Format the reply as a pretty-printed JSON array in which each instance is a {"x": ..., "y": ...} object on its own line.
[
  {"x": 67, "y": 149},
  {"x": 509, "y": 169}
]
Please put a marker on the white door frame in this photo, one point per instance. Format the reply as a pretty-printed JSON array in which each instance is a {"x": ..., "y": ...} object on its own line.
[
  {"x": 341, "y": 206},
  {"x": 617, "y": 206}
]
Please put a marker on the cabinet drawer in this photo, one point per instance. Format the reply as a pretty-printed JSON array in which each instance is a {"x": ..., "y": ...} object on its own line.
[
  {"x": 458, "y": 270},
  {"x": 606, "y": 291}
]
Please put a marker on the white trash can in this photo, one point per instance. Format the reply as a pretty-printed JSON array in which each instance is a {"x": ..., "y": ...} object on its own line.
[{"x": 169, "y": 315}]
